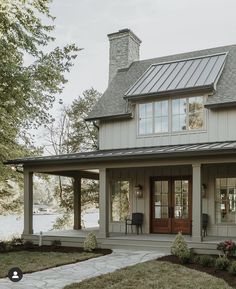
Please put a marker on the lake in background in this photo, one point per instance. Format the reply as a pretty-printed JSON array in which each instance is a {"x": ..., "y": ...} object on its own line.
[{"x": 12, "y": 225}]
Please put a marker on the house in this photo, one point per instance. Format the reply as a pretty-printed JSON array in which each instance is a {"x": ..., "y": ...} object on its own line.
[{"x": 167, "y": 149}]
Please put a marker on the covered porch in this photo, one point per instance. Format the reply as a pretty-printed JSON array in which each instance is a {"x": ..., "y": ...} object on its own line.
[
  {"x": 130, "y": 241},
  {"x": 200, "y": 164}
]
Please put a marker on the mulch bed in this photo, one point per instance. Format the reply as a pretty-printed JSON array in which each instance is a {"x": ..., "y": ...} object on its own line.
[
  {"x": 36, "y": 248},
  {"x": 230, "y": 279}
]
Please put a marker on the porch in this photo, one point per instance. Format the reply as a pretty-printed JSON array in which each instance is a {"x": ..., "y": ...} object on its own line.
[
  {"x": 190, "y": 165},
  {"x": 130, "y": 241}
]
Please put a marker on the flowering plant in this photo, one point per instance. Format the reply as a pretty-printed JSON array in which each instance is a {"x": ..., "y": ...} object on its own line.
[{"x": 228, "y": 247}]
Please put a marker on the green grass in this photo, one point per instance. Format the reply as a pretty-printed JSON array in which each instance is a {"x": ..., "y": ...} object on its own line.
[
  {"x": 30, "y": 261},
  {"x": 152, "y": 275}
]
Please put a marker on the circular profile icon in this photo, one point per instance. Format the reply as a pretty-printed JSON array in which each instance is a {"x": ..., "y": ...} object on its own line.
[{"x": 15, "y": 274}]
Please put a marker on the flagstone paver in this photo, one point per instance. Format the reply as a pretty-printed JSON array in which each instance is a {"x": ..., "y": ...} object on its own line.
[{"x": 58, "y": 277}]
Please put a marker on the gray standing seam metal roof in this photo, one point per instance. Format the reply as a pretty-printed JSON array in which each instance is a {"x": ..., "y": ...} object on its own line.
[
  {"x": 133, "y": 153},
  {"x": 112, "y": 102},
  {"x": 179, "y": 75}
]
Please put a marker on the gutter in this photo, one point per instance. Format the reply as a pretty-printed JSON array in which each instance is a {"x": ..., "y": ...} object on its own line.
[{"x": 110, "y": 117}]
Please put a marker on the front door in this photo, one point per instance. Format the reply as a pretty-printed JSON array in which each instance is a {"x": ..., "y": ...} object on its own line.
[{"x": 171, "y": 205}]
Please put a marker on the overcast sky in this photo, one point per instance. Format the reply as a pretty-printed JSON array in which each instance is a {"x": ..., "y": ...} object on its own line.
[{"x": 164, "y": 26}]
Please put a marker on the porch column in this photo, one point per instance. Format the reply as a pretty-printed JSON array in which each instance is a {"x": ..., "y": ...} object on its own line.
[
  {"x": 28, "y": 202},
  {"x": 77, "y": 203},
  {"x": 197, "y": 204},
  {"x": 103, "y": 204}
]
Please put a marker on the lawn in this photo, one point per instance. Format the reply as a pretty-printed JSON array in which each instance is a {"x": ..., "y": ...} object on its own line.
[
  {"x": 32, "y": 261},
  {"x": 151, "y": 275}
]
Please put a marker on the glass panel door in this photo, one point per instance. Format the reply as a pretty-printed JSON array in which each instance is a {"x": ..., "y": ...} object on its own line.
[
  {"x": 181, "y": 199},
  {"x": 161, "y": 200}
]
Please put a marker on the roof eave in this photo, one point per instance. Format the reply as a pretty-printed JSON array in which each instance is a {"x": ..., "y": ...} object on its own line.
[
  {"x": 109, "y": 117},
  {"x": 198, "y": 89},
  {"x": 220, "y": 105},
  {"x": 123, "y": 157}
]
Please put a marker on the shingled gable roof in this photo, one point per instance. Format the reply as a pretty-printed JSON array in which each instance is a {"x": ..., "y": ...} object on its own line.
[{"x": 113, "y": 105}]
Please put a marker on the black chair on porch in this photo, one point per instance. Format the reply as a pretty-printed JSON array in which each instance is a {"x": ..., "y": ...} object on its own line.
[
  {"x": 204, "y": 224},
  {"x": 137, "y": 220}
]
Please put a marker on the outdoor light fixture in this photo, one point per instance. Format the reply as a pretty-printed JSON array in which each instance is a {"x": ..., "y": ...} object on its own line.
[
  {"x": 138, "y": 191},
  {"x": 204, "y": 190}
]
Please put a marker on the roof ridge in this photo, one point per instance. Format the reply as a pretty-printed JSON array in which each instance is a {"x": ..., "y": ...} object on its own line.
[{"x": 186, "y": 52}]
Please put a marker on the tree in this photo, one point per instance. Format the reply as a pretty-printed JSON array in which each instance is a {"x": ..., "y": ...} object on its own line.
[
  {"x": 27, "y": 91},
  {"x": 70, "y": 134},
  {"x": 84, "y": 135}
]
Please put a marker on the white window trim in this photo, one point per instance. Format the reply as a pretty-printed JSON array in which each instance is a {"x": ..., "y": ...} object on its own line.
[
  {"x": 170, "y": 132},
  {"x": 113, "y": 180}
]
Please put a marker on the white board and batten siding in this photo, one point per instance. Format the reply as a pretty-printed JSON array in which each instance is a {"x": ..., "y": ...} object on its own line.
[{"x": 219, "y": 126}]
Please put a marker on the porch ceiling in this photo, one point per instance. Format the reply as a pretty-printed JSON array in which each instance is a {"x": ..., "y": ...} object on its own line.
[{"x": 203, "y": 149}]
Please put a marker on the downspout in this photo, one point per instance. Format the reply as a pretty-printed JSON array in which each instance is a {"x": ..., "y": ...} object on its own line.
[{"x": 97, "y": 127}]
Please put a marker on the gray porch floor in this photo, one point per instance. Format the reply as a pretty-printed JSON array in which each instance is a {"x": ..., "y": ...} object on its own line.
[{"x": 122, "y": 236}]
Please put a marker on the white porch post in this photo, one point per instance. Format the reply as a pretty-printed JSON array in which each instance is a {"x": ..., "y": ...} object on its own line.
[
  {"x": 197, "y": 204},
  {"x": 28, "y": 202},
  {"x": 77, "y": 203},
  {"x": 103, "y": 204}
]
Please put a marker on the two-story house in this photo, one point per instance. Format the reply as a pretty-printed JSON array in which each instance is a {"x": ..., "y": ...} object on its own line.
[{"x": 167, "y": 148}]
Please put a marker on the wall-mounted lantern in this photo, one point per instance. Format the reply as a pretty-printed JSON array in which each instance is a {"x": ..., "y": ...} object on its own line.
[{"x": 138, "y": 190}]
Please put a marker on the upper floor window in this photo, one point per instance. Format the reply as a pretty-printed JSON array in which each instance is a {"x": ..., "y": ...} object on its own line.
[{"x": 171, "y": 115}]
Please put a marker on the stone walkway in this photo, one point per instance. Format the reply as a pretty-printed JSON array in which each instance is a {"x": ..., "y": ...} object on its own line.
[{"x": 58, "y": 277}]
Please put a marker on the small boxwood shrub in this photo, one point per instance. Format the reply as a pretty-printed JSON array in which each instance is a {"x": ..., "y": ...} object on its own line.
[
  {"x": 90, "y": 242},
  {"x": 232, "y": 268},
  {"x": 179, "y": 245},
  {"x": 56, "y": 243},
  {"x": 206, "y": 260},
  {"x": 28, "y": 245},
  {"x": 222, "y": 263},
  {"x": 185, "y": 256}
]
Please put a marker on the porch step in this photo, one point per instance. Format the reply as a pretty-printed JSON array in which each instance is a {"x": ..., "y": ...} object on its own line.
[{"x": 151, "y": 245}]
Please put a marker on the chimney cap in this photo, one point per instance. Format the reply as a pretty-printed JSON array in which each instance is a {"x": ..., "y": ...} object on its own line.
[{"x": 124, "y": 32}]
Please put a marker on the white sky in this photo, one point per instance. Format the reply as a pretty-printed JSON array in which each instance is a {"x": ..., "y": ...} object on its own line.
[{"x": 164, "y": 26}]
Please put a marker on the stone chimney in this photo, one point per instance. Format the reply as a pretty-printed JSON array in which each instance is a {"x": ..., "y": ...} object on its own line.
[{"x": 124, "y": 49}]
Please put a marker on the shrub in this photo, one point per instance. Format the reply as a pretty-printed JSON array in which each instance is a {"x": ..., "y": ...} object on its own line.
[
  {"x": 196, "y": 258},
  {"x": 227, "y": 247},
  {"x": 232, "y": 268},
  {"x": 90, "y": 242},
  {"x": 179, "y": 246},
  {"x": 56, "y": 243},
  {"x": 15, "y": 241},
  {"x": 185, "y": 256},
  {"x": 222, "y": 262},
  {"x": 3, "y": 246},
  {"x": 206, "y": 260},
  {"x": 28, "y": 244}
]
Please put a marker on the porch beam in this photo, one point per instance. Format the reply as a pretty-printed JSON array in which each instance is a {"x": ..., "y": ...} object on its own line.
[
  {"x": 103, "y": 204},
  {"x": 197, "y": 204},
  {"x": 28, "y": 203},
  {"x": 155, "y": 162},
  {"x": 77, "y": 202}
]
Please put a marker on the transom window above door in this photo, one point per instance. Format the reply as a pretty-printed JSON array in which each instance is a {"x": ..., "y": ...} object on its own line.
[{"x": 172, "y": 115}]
